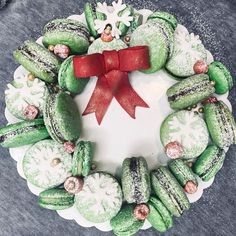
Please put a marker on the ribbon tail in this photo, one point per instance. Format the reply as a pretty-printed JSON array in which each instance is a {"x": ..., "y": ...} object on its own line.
[
  {"x": 100, "y": 100},
  {"x": 124, "y": 93},
  {"x": 129, "y": 100}
]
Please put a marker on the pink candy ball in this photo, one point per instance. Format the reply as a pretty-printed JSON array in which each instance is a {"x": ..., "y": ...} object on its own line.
[{"x": 62, "y": 51}]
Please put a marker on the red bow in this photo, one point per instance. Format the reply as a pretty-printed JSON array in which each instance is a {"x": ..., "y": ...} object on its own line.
[{"x": 112, "y": 69}]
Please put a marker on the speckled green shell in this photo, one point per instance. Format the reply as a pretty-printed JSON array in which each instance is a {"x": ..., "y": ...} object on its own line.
[
  {"x": 167, "y": 188},
  {"x": 190, "y": 91},
  {"x": 135, "y": 180},
  {"x": 55, "y": 199},
  {"x": 159, "y": 217},
  {"x": 182, "y": 172},
  {"x": 38, "y": 60},
  {"x": 124, "y": 223}
]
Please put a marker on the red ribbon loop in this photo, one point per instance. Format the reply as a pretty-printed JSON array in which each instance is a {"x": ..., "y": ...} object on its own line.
[{"x": 112, "y": 69}]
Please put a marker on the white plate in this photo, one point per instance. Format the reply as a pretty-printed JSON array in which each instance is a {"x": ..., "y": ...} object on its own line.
[{"x": 120, "y": 136}]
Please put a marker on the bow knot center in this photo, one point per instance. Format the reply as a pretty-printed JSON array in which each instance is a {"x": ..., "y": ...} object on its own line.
[{"x": 111, "y": 60}]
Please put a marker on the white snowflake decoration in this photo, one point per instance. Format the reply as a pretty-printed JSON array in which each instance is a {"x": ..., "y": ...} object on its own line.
[
  {"x": 112, "y": 17},
  {"x": 100, "y": 189},
  {"x": 40, "y": 166},
  {"x": 28, "y": 91},
  {"x": 187, "y": 43},
  {"x": 187, "y": 130}
]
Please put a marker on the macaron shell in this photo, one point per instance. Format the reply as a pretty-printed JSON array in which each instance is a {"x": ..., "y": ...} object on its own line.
[
  {"x": 124, "y": 223},
  {"x": 159, "y": 217},
  {"x": 77, "y": 42},
  {"x": 91, "y": 16},
  {"x": 34, "y": 66},
  {"x": 49, "y": 118},
  {"x": 190, "y": 91},
  {"x": 188, "y": 129},
  {"x": 68, "y": 117},
  {"x": 182, "y": 172},
  {"x": 156, "y": 37},
  {"x": 98, "y": 46},
  {"x": 169, "y": 18},
  {"x": 169, "y": 191},
  {"x": 220, "y": 123},
  {"x": 67, "y": 80},
  {"x": 82, "y": 158},
  {"x": 55, "y": 199},
  {"x": 135, "y": 180},
  {"x": 23, "y": 133},
  {"x": 100, "y": 199},
  {"x": 209, "y": 163},
  {"x": 38, "y": 164},
  {"x": 222, "y": 77}
]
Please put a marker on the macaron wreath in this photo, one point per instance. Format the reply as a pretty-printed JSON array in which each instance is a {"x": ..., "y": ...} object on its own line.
[{"x": 59, "y": 162}]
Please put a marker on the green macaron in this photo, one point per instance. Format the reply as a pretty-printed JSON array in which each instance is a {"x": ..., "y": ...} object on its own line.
[
  {"x": 71, "y": 33},
  {"x": 38, "y": 60},
  {"x": 46, "y": 164},
  {"x": 167, "y": 188},
  {"x": 91, "y": 14},
  {"x": 222, "y": 77},
  {"x": 187, "y": 50},
  {"x": 158, "y": 35},
  {"x": 135, "y": 180},
  {"x": 189, "y": 91},
  {"x": 209, "y": 163},
  {"x": 188, "y": 129},
  {"x": 159, "y": 217},
  {"x": 169, "y": 18},
  {"x": 135, "y": 23},
  {"x": 220, "y": 123},
  {"x": 184, "y": 175},
  {"x": 100, "y": 198},
  {"x": 56, "y": 199},
  {"x": 124, "y": 223},
  {"x": 62, "y": 118},
  {"x": 82, "y": 158},
  {"x": 67, "y": 80},
  {"x": 23, "y": 133}
]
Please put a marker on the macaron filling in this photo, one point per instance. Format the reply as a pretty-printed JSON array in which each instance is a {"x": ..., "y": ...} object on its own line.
[
  {"x": 33, "y": 56},
  {"x": 190, "y": 90},
  {"x": 169, "y": 189},
  {"x": 225, "y": 124},
  {"x": 136, "y": 180},
  {"x": 53, "y": 123},
  {"x": 10, "y": 134},
  {"x": 67, "y": 26},
  {"x": 167, "y": 36}
]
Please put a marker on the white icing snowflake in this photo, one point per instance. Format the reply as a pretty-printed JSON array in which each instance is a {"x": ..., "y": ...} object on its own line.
[
  {"x": 187, "y": 43},
  {"x": 112, "y": 17},
  {"x": 101, "y": 191},
  {"x": 27, "y": 92},
  {"x": 186, "y": 129},
  {"x": 40, "y": 168}
]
